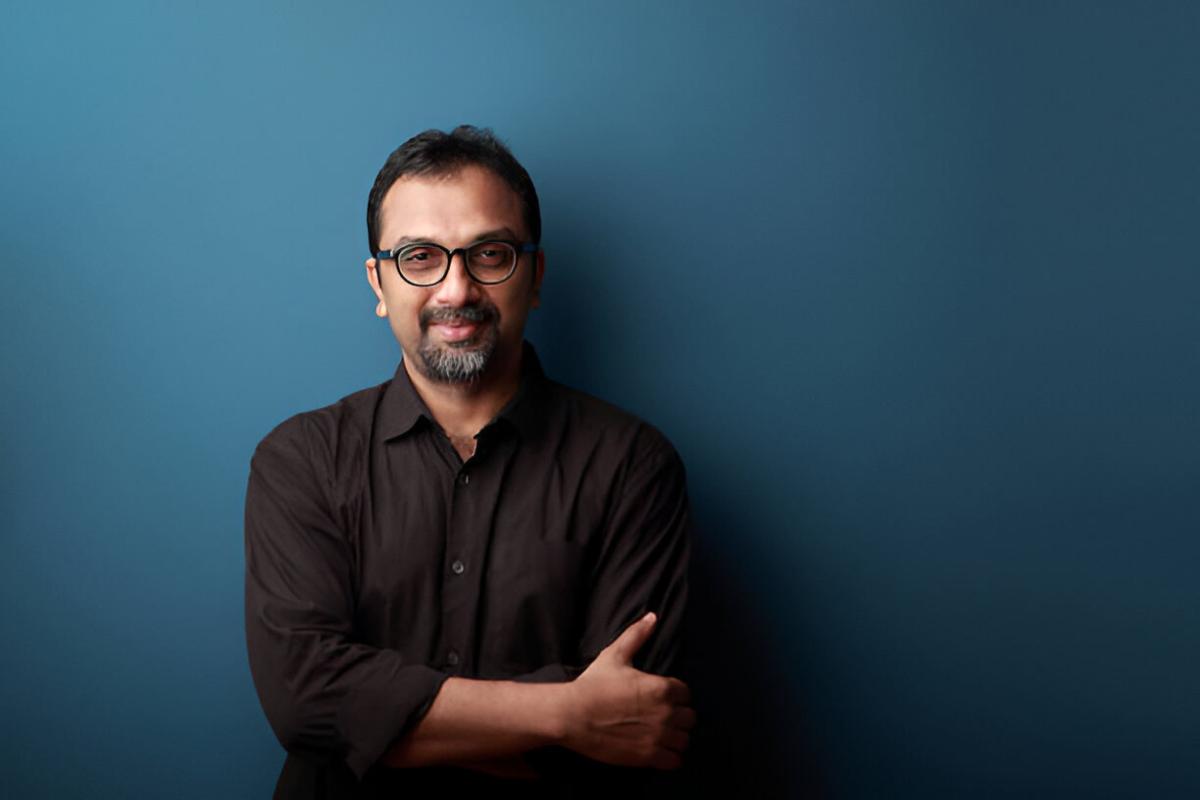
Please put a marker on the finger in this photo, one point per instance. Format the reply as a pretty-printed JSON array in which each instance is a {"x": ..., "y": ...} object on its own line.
[
  {"x": 632, "y": 638},
  {"x": 674, "y": 740},
  {"x": 678, "y": 692},
  {"x": 682, "y": 718}
]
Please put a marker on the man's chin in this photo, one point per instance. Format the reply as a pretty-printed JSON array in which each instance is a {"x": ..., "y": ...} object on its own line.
[{"x": 456, "y": 363}]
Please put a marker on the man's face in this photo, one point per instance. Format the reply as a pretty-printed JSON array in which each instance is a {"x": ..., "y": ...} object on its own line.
[{"x": 457, "y": 330}]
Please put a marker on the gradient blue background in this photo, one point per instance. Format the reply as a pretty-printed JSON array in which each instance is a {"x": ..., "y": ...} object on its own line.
[{"x": 912, "y": 287}]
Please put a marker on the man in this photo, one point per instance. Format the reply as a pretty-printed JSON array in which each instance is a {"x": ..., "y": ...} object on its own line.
[{"x": 468, "y": 576}]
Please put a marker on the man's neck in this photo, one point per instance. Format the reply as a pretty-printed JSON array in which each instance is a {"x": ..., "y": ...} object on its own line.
[{"x": 462, "y": 409}]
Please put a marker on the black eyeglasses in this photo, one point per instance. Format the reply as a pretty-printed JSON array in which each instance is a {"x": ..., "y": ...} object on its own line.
[{"x": 427, "y": 263}]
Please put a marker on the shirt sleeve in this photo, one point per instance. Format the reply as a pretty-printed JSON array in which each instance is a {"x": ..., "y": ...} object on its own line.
[
  {"x": 643, "y": 559},
  {"x": 327, "y": 697},
  {"x": 642, "y": 565}
]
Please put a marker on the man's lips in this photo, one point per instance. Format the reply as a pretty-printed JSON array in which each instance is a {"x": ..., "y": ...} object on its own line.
[{"x": 455, "y": 331}]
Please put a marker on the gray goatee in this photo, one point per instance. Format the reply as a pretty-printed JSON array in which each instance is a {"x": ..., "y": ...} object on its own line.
[{"x": 459, "y": 362}]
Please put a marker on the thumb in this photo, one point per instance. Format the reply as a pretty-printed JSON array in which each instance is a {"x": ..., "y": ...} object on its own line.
[{"x": 632, "y": 638}]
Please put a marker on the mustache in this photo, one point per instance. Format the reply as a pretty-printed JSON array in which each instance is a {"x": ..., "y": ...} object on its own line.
[{"x": 476, "y": 312}]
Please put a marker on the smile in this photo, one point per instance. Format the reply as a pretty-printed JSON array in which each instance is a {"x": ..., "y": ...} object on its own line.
[{"x": 455, "y": 331}]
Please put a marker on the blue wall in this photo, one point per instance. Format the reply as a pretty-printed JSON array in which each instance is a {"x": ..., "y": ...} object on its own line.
[{"x": 912, "y": 286}]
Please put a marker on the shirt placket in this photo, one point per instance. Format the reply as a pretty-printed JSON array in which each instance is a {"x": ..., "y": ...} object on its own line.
[{"x": 468, "y": 530}]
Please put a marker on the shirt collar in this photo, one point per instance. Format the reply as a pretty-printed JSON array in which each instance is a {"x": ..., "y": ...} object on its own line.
[
  {"x": 402, "y": 408},
  {"x": 526, "y": 411}
]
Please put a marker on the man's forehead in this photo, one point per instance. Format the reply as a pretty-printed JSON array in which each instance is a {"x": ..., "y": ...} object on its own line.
[{"x": 467, "y": 202}]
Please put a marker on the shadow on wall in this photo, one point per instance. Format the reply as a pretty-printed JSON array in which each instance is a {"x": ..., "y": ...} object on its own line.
[
  {"x": 752, "y": 740},
  {"x": 577, "y": 330}
]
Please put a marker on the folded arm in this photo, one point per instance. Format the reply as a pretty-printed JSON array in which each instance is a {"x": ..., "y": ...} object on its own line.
[
  {"x": 623, "y": 709},
  {"x": 612, "y": 713},
  {"x": 332, "y": 699}
]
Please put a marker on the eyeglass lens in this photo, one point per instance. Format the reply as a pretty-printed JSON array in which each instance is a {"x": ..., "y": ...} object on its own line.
[{"x": 488, "y": 262}]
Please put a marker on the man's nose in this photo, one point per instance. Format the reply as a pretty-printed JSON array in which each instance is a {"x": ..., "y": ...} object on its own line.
[{"x": 457, "y": 288}]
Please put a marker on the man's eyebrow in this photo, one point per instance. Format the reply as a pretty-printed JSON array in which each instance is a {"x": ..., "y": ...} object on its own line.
[{"x": 498, "y": 233}]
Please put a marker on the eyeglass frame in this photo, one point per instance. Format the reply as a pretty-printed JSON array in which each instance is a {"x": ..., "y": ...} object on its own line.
[{"x": 521, "y": 249}]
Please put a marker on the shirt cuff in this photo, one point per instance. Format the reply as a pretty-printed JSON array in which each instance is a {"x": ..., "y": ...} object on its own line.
[{"x": 379, "y": 719}]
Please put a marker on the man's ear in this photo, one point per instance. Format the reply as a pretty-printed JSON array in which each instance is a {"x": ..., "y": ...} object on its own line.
[
  {"x": 372, "y": 266},
  {"x": 539, "y": 271}
]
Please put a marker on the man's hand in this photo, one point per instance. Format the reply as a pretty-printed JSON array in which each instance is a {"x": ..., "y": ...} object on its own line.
[
  {"x": 612, "y": 713},
  {"x": 620, "y": 715}
]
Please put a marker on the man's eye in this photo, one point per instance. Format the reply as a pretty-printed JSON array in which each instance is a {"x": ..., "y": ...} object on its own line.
[
  {"x": 489, "y": 255},
  {"x": 416, "y": 256}
]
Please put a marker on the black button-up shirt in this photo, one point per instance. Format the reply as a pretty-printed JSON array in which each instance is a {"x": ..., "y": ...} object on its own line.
[{"x": 378, "y": 564}]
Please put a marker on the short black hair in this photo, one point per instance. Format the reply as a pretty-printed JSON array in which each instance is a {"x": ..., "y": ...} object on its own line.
[{"x": 438, "y": 153}]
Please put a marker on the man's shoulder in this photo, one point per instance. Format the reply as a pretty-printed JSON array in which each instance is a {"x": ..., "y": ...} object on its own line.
[
  {"x": 588, "y": 409},
  {"x": 328, "y": 429},
  {"x": 608, "y": 424}
]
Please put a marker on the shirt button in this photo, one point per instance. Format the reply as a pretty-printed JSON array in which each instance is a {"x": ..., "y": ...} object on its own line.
[
  {"x": 464, "y": 479},
  {"x": 458, "y": 567},
  {"x": 452, "y": 658}
]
